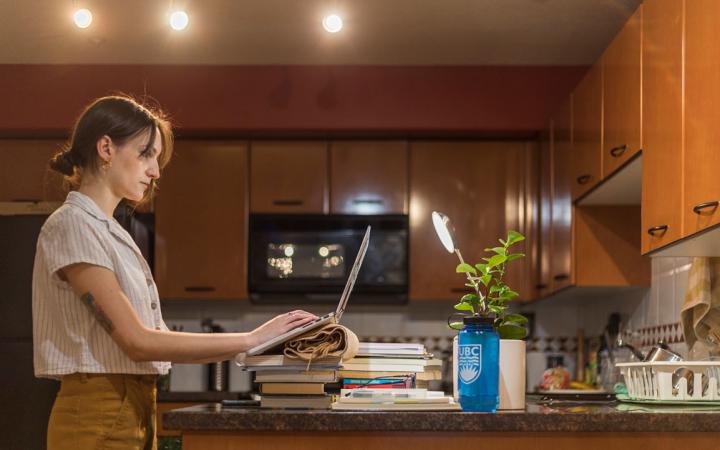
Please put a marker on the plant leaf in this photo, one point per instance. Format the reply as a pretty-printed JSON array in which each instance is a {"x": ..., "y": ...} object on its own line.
[
  {"x": 503, "y": 242},
  {"x": 497, "y": 309},
  {"x": 483, "y": 268},
  {"x": 498, "y": 250},
  {"x": 469, "y": 298},
  {"x": 485, "y": 279},
  {"x": 511, "y": 294},
  {"x": 514, "y": 256},
  {"x": 495, "y": 288},
  {"x": 496, "y": 260},
  {"x": 513, "y": 237},
  {"x": 462, "y": 306},
  {"x": 456, "y": 325},
  {"x": 511, "y": 331},
  {"x": 517, "y": 318},
  {"x": 465, "y": 268}
]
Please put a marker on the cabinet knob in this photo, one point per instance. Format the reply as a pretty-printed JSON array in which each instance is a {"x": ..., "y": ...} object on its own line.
[
  {"x": 658, "y": 230},
  {"x": 541, "y": 286},
  {"x": 368, "y": 201},
  {"x": 459, "y": 290},
  {"x": 616, "y": 152},
  {"x": 583, "y": 179},
  {"x": 698, "y": 209},
  {"x": 287, "y": 202},
  {"x": 561, "y": 277},
  {"x": 199, "y": 289}
]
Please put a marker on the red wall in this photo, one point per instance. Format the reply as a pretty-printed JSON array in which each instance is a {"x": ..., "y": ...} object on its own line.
[{"x": 45, "y": 99}]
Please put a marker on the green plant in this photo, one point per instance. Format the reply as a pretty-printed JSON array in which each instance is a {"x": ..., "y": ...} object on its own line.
[{"x": 490, "y": 291}]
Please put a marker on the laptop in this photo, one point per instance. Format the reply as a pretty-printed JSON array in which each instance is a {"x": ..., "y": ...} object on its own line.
[{"x": 332, "y": 317}]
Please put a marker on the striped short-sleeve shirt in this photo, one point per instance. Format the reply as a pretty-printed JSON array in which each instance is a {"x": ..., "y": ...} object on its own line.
[{"x": 67, "y": 338}]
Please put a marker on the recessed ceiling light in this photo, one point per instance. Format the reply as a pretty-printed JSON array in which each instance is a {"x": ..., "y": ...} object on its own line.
[
  {"x": 82, "y": 18},
  {"x": 332, "y": 23},
  {"x": 179, "y": 20}
]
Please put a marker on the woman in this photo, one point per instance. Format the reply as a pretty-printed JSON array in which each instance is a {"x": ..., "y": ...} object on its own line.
[{"x": 96, "y": 313}]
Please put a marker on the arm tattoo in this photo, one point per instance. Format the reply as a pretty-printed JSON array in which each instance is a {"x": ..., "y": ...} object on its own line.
[{"x": 95, "y": 309}]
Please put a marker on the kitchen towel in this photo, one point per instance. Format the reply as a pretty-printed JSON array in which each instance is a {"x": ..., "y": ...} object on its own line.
[
  {"x": 700, "y": 313},
  {"x": 331, "y": 340}
]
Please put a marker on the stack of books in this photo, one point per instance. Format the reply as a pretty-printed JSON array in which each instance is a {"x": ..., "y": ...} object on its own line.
[
  {"x": 390, "y": 366},
  {"x": 292, "y": 383}
]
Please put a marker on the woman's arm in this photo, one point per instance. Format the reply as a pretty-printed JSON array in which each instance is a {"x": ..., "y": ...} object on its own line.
[{"x": 99, "y": 289}]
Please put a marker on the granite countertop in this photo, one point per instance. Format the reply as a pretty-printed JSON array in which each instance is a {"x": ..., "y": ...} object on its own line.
[
  {"x": 198, "y": 397},
  {"x": 562, "y": 417}
]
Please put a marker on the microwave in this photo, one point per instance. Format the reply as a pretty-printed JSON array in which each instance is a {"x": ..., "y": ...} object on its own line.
[{"x": 311, "y": 256}]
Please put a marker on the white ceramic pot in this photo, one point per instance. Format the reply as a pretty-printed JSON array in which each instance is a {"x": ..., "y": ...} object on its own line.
[{"x": 512, "y": 374}]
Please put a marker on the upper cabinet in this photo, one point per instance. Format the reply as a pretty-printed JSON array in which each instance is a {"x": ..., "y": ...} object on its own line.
[
  {"x": 368, "y": 177},
  {"x": 201, "y": 222},
  {"x": 621, "y": 96},
  {"x": 662, "y": 122},
  {"x": 478, "y": 185},
  {"x": 289, "y": 177},
  {"x": 24, "y": 171},
  {"x": 587, "y": 132},
  {"x": 544, "y": 214},
  {"x": 702, "y": 115},
  {"x": 563, "y": 179}
]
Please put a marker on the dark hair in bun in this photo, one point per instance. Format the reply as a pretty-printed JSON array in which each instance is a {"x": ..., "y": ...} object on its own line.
[{"x": 120, "y": 118}]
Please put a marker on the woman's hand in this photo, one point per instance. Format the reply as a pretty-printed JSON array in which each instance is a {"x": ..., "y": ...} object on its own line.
[{"x": 279, "y": 325}]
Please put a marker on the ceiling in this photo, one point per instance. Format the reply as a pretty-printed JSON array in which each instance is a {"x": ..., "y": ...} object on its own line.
[{"x": 289, "y": 32}]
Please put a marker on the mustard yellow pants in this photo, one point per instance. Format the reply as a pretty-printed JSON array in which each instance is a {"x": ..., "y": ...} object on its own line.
[{"x": 104, "y": 411}]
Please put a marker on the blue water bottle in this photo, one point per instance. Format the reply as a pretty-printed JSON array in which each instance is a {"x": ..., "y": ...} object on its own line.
[{"x": 478, "y": 365}]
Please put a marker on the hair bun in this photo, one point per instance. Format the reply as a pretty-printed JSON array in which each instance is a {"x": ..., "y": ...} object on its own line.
[{"x": 64, "y": 163}]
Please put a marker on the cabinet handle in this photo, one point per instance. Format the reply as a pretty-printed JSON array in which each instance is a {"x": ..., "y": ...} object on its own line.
[
  {"x": 368, "y": 201},
  {"x": 460, "y": 290},
  {"x": 541, "y": 286},
  {"x": 697, "y": 209},
  {"x": 287, "y": 202},
  {"x": 199, "y": 289},
  {"x": 583, "y": 179},
  {"x": 618, "y": 151},
  {"x": 654, "y": 231},
  {"x": 560, "y": 277}
]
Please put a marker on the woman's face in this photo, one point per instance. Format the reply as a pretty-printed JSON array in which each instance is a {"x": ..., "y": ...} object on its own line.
[{"x": 134, "y": 165}]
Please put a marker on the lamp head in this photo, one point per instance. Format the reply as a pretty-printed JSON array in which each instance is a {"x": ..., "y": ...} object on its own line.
[{"x": 444, "y": 230}]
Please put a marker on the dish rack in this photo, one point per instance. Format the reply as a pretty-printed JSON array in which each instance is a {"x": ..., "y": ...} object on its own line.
[{"x": 679, "y": 380}]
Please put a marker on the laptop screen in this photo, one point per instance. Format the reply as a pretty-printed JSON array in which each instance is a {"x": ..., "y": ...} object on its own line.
[{"x": 353, "y": 274}]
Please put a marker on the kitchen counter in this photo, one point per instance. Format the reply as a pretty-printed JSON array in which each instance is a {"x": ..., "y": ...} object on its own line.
[{"x": 539, "y": 426}]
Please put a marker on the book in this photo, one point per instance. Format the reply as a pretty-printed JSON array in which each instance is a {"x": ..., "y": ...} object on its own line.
[
  {"x": 378, "y": 383},
  {"x": 292, "y": 388},
  {"x": 383, "y": 367},
  {"x": 394, "y": 399},
  {"x": 427, "y": 375},
  {"x": 386, "y": 360},
  {"x": 282, "y": 362},
  {"x": 296, "y": 401},
  {"x": 450, "y": 406},
  {"x": 287, "y": 376},
  {"x": 391, "y": 347}
]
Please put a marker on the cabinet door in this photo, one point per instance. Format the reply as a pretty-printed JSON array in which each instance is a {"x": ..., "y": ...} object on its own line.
[
  {"x": 562, "y": 181},
  {"x": 587, "y": 132},
  {"x": 544, "y": 269},
  {"x": 289, "y": 177},
  {"x": 24, "y": 171},
  {"x": 368, "y": 177},
  {"x": 662, "y": 123},
  {"x": 201, "y": 222},
  {"x": 621, "y": 96},
  {"x": 474, "y": 183},
  {"x": 702, "y": 115}
]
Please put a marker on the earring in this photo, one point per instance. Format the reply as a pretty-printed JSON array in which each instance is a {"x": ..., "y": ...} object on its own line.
[{"x": 106, "y": 164}]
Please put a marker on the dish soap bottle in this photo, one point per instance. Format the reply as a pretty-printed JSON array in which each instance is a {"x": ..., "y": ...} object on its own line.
[{"x": 478, "y": 365}]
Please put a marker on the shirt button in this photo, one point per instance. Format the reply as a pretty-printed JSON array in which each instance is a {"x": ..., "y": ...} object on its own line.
[
  {"x": 153, "y": 305},
  {"x": 149, "y": 281},
  {"x": 157, "y": 328}
]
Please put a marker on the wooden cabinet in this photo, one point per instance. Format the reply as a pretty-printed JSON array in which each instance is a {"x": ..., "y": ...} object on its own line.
[
  {"x": 368, "y": 177},
  {"x": 477, "y": 185},
  {"x": 662, "y": 122},
  {"x": 201, "y": 222},
  {"x": 621, "y": 96},
  {"x": 24, "y": 171},
  {"x": 289, "y": 177},
  {"x": 544, "y": 217},
  {"x": 702, "y": 116},
  {"x": 561, "y": 209},
  {"x": 587, "y": 132}
]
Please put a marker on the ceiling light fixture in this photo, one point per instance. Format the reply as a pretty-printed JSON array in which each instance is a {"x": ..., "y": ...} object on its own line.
[
  {"x": 82, "y": 18},
  {"x": 179, "y": 20},
  {"x": 332, "y": 23}
]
